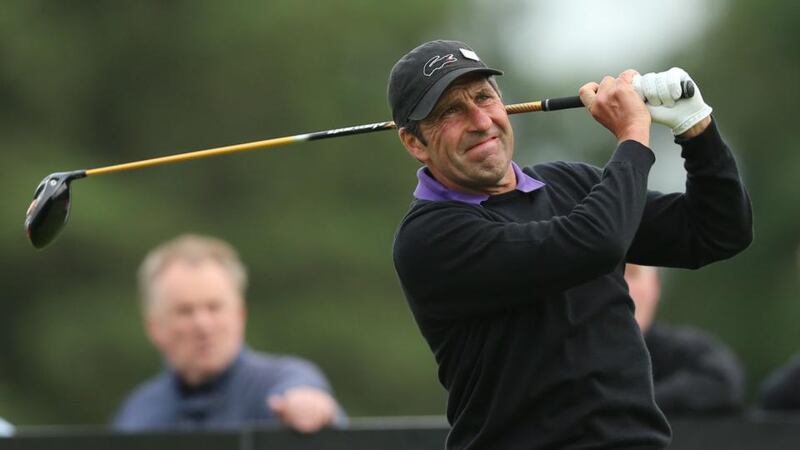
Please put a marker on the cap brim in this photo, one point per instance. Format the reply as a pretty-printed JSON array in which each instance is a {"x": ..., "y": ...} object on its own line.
[{"x": 428, "y": 101}]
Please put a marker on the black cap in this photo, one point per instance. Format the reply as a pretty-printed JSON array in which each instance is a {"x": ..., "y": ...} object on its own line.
[{"x": 421, "y": 76}]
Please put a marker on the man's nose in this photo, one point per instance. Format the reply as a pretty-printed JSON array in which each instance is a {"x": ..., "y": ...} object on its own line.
[
  {"x": 202, "y": 318},
  {"x": 479, "y": 120}
]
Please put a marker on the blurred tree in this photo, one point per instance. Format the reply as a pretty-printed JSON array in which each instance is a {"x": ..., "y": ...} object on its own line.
[{"x": 96, "y": 83}]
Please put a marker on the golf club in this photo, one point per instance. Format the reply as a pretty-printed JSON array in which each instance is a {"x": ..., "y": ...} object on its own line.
[{"x": 49, "y": 210}]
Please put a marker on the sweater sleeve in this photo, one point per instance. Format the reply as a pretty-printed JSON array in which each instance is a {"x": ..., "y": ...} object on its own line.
[
  {"x": 711, "y": 221},
  {"x": 455, "y": 259}
]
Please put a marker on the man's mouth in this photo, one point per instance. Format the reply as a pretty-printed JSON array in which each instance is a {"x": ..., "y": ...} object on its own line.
[
  {"x": 481, "y": 144},
  {"x": 203, "y": 345}
]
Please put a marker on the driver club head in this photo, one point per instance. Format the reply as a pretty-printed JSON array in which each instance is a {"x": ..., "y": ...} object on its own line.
[{"x": 49, "y": 210}]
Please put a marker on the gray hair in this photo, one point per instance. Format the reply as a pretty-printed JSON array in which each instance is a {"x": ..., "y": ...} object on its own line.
[{"x": 190, "y": 248}]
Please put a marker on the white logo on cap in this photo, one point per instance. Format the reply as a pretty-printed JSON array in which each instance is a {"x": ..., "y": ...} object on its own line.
[
  {"x": 469, "y": 54},
  {"x": 436, "y": 63}
]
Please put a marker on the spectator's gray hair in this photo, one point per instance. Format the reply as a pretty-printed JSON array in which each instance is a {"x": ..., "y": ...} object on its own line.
[{"x": 193, "y": 249}]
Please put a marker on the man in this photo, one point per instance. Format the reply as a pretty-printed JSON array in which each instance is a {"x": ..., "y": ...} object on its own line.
[
  {"x": 515, "y": 276},
  {"x": 692, "y": 371},
  {"x": 192, "y": 292}
]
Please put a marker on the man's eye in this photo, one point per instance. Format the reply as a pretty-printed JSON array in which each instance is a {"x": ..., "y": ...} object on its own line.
[
  {"x": 449, "y": 111},
  {"x": 184, "y": 311}
]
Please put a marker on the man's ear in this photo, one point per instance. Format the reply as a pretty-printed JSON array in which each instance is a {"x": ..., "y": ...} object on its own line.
[{"x": 414, "y": 146}]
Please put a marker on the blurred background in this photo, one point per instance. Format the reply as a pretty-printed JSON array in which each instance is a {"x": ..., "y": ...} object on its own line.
[{"x": 93, "y": 83}]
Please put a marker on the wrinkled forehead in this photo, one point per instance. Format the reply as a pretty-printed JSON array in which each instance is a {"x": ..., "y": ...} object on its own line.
[
  {"x": 188, "y": 278},
  {"x": 465, "y": 85},
  {"x": 190, "y": 265}
]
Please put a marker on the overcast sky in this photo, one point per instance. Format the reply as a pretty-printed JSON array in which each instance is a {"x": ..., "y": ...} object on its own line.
[{"x": 582, "y": 36}]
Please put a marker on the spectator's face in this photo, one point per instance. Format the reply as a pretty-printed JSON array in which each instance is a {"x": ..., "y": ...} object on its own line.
[
  {"x": 645, "y": 289},
  {"x": 196, "y": 318},
  {"x": 468, "y": 138}
]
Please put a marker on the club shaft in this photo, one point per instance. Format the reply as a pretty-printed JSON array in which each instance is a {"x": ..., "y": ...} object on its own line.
[{"x": 543, "y": 105}]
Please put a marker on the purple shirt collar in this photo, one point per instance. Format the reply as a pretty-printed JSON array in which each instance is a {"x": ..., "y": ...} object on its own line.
[{"x": 430, "y": 189}]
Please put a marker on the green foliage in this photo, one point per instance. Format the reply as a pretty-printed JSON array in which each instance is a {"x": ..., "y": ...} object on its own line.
[{"x": 97, "y": 83}]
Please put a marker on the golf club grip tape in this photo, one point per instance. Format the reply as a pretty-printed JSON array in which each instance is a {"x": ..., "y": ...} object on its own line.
[
  {"x": 523, "y": 107},
  {"x": 554, "y": 104}
]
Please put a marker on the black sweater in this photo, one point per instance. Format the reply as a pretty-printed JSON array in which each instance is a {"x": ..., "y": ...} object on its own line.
[{"x": 523, "y": 303}]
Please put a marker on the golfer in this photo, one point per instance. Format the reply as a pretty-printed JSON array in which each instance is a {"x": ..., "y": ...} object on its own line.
[{"x": 515, "y": 275}]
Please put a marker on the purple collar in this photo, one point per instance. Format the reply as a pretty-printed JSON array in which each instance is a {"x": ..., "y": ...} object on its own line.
[{"x": 430, "y": 189}]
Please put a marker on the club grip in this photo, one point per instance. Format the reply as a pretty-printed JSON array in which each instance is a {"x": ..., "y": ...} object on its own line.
[
  {"x": 687, "y": 89},
  {"x": 554, "y": 104}
]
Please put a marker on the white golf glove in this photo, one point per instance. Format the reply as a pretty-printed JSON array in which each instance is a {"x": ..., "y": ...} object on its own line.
[{"x": 662, "y": 92}]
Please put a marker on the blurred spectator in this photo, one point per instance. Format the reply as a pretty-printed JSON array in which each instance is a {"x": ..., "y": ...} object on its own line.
[
  {"x": 781, "y": 390},
  {"x": 192, "y": 291},
  {"x": 6, "y": 429},
  {"x": 693, "y": 372}
]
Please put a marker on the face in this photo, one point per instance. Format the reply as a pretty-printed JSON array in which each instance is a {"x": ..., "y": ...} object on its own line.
[
  {"x": 468, "y": 139},
  {"x": 196, "y": 318},
  {"x": 645, "y": 290}
]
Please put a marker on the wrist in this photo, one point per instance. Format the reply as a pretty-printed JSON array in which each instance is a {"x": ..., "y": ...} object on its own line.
[
  {"x": 640, "y": 134},
  {"x": 696, "y": 129}
]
